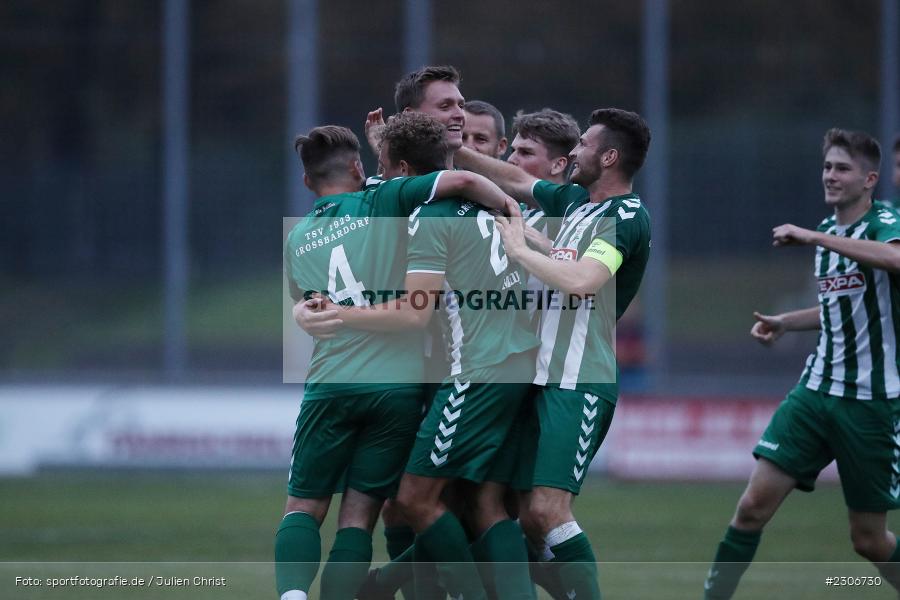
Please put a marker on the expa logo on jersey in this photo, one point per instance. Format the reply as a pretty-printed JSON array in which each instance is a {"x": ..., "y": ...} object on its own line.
[
  {"x": 842, "y": 285},
  {"x": 564, "y": 254}
]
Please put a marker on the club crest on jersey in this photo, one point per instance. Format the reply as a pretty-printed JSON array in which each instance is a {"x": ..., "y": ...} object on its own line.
[
  {"x": 564, "y": 253},
  {"x": 842, "y": 285}
]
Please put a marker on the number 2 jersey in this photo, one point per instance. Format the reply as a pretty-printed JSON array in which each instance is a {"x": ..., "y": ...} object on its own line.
[
  {"x": 349, "y": 246},
  {"x": 577, "y": 348},
  {"x": 485, "y": 315}
]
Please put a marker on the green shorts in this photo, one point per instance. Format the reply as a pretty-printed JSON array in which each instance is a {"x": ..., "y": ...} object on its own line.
[
  {"x": 810, "y": 429},
  {"x": 468, "y": 423},
  {"x": 572, "y": 426},
  {"x": 360, "y": 441},
  {"x": 514, "y": 463}
]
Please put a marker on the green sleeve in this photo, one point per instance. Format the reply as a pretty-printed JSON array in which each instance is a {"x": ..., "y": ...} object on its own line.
[
  {"x": 628, "y": 230},
  {"x": 427, "y": 249},
  {"x": 555, "y": 199},
  {"x": 887, "y": 223},
  {"x": 401, "y": 195}
]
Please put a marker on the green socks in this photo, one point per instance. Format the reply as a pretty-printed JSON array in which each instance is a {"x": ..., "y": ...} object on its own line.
[
  {"x": 298, "y": 549},
  {"x": 578, "y": 568},
  {"x": 399, "y": 540},
  {"x": 348, "y": 564},
  {"x": 426, "y": 585},
  {"x": 398, "y": 572},
  {"x": 734, "y": 555},
  {"x": 503, "y": 562},
  {"x": 445, "y": 543}
]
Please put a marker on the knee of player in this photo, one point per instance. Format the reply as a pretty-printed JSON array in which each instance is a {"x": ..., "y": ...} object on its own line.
[
  {"x": 539, "y": 518},
  {"x": 391, "y": 514},
  {"x": 407, "y": 504},
  {"x": 530, "y": 525},
  {"x": 317, "y": 508},
  {"x": 753, "y": 511},
  {"x": 870, "y": 546}
]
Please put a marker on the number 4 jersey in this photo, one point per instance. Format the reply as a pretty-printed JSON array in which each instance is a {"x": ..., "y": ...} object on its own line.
[{"x": 350, "y": 246}]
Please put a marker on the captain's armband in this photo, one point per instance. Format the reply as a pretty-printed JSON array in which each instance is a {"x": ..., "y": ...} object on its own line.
[{"x": 605, "y": 253}]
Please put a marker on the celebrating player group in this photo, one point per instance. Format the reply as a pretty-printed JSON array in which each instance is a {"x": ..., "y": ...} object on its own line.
[{"x": 464, "y": 376}]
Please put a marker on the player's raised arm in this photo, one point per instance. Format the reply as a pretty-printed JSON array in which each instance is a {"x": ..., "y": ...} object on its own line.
[
  {"x": 471, "y": 186},
  {"x": 412, "y": 311},
  {"x": 511, "y": 179},
  {"x": 871, "y": 253},
  {"x": 582, "y": 277},
  {"x": 374, "y": 127}
]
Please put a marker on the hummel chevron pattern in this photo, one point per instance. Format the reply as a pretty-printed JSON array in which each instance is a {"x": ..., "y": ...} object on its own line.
[
  {"x": 895, "y": 465},
  {"x": 584, "y": 441},
  {"x": 447, "y": 425}
]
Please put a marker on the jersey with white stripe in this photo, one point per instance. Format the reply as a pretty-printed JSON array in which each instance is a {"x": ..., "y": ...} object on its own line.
[
  {"x": 859, "y": 315},
  {"x": 577, "y": 348},
  {"x": 536, "y": 218},
  {"x": 349, "y": 245},
  {"x": 484, "y": 316}
]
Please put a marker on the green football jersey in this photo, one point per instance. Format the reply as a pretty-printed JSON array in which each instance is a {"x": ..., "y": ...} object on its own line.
[
  {"x": 856, "y": 355},
  {"x": 536, "y": 218},
  {"x": 577, "y": 349},
  {"x": 348, "y": 247},
  {"x": 484, "y": 312}
]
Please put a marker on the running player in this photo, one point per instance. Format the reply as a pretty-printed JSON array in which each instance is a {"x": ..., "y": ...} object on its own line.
[
  {"x": 363, "y": 390},
  {"x": 605, "y": 235},
  {"x": 846, "y": 406}
]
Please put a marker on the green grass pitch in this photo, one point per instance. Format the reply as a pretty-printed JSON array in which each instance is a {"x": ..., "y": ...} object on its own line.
[{"x": 654, "y": 540}]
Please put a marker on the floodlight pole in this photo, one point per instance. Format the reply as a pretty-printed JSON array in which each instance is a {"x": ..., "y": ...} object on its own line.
[
  {"x": 417, "y": 34},
  {"x": 890, "y": 92},
  {"x": 655, "y": 102},
  {"x": 302, "y": 58},
  {"x": 176, "y": 182}
]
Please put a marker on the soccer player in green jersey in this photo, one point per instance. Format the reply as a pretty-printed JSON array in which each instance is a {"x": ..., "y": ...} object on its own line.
[
  {"x": 541, "y": 147},
  {"x": 363, "y": 391},
  {"x": 485, "y": 129},
  {"x": 542, "y": 142},
  {"x": 431, "y": 90},
  {"x": 846, "y": 406},
  {"x": 604, "y": 237},
  {"x": 454, "y": 246}
]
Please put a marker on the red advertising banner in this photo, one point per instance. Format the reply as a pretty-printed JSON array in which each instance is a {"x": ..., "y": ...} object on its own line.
[{"x": 688, "y": 438}]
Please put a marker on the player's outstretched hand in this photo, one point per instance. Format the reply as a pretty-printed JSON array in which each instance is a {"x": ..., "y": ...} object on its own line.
[
  {"x": 317, "y": 317},
  {"x": 374, "y": 128},
  {"x": 791, "y": 235},
  {"x": 512, "y": 229},
  {"x": 767, "y": 328}
]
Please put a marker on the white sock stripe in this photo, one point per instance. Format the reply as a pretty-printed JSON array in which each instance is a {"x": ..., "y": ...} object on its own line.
[
  {"x": 547, "y": 554},
  {"x": 293, "y": 595},
  {"x": 563, "y": 532}
]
